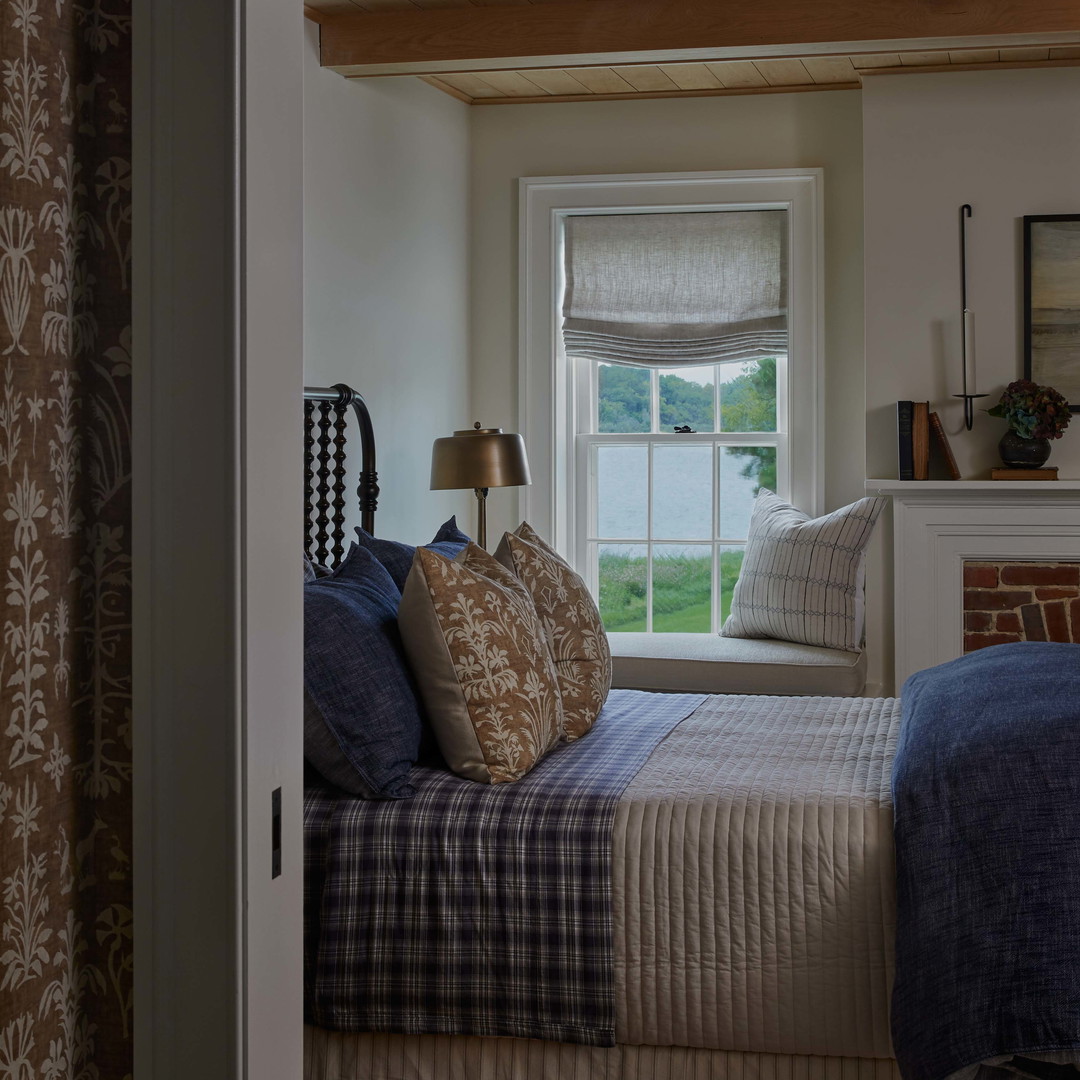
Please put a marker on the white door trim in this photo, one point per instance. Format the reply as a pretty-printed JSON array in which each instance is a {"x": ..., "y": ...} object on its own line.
[{"x": 217, "y": 473}]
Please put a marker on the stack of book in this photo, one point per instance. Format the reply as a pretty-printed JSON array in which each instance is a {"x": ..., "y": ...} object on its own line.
[{"x": 916, "y": 426}]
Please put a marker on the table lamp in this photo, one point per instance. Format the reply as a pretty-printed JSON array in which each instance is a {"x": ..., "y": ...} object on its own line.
[{"x": 479, "y": 458}]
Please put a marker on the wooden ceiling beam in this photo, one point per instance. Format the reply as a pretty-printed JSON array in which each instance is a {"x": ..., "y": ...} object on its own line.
[{"x": 603, "y": 32}]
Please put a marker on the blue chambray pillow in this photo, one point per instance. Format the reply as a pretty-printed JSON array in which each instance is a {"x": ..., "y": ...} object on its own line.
[
  {"x": 398, "y": 557},
  {"x": 361, "y": 717},
  {"x": 313, "y": 570}
]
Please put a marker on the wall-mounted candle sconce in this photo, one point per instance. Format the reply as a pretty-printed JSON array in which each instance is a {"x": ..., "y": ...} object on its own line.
[{"x": 967, "y": 328}]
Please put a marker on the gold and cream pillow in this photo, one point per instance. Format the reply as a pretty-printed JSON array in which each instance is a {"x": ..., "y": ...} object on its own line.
[
  {"x": 477, "y": 650},
  {"x": 572, "y": 625}
]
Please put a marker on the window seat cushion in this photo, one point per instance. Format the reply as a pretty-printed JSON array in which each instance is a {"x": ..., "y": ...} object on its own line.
[{"x": 710, "y": 664}]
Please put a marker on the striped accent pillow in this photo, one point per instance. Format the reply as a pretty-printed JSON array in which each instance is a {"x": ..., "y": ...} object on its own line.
[{"x": 802, "y": 578}]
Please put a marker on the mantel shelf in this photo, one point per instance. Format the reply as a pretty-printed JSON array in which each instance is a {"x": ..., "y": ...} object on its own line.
[{"x": 1006, "y": 487}]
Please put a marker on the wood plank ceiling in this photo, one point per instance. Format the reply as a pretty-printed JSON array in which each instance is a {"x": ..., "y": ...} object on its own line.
[
  {"x": 574, "y": 78},
  {"x": 726, "y": 77}
]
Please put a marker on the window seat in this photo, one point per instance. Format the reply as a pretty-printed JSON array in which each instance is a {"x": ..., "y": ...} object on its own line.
[{"x": 709, "y": 663}]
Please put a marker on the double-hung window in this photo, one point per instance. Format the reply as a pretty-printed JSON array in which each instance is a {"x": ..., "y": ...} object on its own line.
[
  {"x": 670, "y": 369},
  {"x": 665, "y": 516}
]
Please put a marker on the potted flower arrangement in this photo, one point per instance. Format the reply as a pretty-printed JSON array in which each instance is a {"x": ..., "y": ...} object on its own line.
[{"x": 1036, "y": 414}]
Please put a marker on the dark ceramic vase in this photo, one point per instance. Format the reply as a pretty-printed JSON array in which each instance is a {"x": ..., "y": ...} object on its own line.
[{"x": 1020, "y": 453}]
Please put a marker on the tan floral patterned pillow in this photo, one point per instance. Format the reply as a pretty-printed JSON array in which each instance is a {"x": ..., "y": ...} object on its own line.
[
  {"x": 481, "y": 663},
  {"x": 572, "y": 625}
]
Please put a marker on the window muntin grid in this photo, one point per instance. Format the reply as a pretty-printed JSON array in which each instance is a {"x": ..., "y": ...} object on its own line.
[{"x": 641, "y": 538}]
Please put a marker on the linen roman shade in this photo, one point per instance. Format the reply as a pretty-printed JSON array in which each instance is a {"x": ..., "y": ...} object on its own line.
[{"x": 668, "y": 290}]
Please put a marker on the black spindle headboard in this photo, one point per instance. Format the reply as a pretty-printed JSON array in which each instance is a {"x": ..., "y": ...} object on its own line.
[{"x": 326, "y": 410}]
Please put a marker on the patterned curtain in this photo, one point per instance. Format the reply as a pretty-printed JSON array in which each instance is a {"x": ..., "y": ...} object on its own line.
[{"x": 65, "y": 538}]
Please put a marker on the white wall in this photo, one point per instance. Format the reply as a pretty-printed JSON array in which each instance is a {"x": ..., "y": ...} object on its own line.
[
  {"x": 755, "y": 132},
  {"x": 386, "y": 218},
  {"x": 1008, "y": 143}
]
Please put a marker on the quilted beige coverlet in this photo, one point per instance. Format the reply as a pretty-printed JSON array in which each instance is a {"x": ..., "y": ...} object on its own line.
[{"x": 754, "y": 883}]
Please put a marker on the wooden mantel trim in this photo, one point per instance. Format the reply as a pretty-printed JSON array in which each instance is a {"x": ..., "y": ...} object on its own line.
[{"x": 602, "y": 32}]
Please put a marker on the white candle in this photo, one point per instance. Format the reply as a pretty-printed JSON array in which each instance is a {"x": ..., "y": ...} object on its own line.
[{"x": 969, "y": 352}]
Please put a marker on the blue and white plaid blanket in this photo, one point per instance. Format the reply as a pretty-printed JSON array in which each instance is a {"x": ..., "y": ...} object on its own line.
[{"x": 476, "y": 909}]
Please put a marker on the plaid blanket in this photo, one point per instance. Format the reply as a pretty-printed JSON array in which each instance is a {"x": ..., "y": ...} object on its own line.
[{"x": 476, "y": 909}]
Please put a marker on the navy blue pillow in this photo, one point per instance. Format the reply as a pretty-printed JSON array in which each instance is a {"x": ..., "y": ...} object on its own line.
[
  {"x": 397, "y": 557},
  {"x": 313, "y": 570},
  {"x": 361, "y": 717}
]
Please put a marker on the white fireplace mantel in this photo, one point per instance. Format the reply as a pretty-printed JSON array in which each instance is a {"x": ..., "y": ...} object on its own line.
[{"x": 938, "y": 525}]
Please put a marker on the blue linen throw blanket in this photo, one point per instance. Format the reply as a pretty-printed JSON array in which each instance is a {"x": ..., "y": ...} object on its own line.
[
  {"x": 478, "y": 909},
  {"x": 986, "y": 791}
]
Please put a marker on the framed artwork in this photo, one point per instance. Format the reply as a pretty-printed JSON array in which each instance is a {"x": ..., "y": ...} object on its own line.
[{"x": 1052, "y": 303}]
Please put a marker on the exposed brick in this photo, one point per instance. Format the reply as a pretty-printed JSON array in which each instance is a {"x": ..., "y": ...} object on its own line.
[
  {"x": 1057, "y": 625},
  {"x": 1009, "y": 622},
  {"x": 982, "y": 641},
  {"x": 977, "y": 620},
  {"x": 1074, "y": 616},
  {"x": 1034, "y": 628},
  {"x": 1055, "y": 594},
  {"x": 1034, "y": 574},
  {"x": 988, "y": 600},
  {"x": 978, "y": 576}
]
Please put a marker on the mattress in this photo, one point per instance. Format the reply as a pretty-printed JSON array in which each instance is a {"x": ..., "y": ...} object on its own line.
[{"x": 753, "y": 892}]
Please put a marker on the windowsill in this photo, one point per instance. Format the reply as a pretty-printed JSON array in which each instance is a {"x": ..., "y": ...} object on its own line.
[{"x": 710, "y": 663}]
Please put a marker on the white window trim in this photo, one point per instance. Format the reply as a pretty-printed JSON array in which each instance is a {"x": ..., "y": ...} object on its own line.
[{"x": 545, "y": 392}]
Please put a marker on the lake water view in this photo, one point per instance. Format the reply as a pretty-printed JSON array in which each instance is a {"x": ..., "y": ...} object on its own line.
[{"x": 683, "y": 502}]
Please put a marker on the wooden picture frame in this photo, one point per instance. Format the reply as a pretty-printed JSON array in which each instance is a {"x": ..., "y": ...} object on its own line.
[{"x": 1052, "y": 303}]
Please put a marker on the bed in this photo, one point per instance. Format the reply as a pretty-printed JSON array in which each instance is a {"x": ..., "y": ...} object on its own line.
[{"x": 703, "y": 887}]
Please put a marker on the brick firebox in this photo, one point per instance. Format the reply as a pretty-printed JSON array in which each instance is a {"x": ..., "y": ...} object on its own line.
[{"x": 1020, "y": 601}]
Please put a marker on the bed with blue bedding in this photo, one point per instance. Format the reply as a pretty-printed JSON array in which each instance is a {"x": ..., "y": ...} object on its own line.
[
  {"x": 743, "y": 903},
  {"x": 717, "y": 887}
]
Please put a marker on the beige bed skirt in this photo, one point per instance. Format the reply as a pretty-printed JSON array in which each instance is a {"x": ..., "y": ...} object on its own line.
[{"x": 336, "y": 1055}]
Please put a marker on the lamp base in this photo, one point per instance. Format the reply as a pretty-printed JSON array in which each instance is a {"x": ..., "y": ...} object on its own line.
[{"x": 481, "y": 516}]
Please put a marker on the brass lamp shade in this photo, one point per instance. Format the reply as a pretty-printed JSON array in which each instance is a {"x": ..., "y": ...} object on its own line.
[{"x": 479, "y": 458}]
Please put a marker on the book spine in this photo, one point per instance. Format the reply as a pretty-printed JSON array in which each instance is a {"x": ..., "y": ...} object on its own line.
[
  {"x": 1045, "y": 473},
  {"x": 920, "y": 439},
  {"x": 937, "y": 429},
  {"x": 904, "y": 456}
]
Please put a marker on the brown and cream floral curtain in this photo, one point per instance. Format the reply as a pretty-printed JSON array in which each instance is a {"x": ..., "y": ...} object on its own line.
[{"x": 65, "y": 537}]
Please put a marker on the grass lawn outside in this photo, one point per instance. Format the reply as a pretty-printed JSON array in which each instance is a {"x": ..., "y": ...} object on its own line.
[{"x": 682, "y": 591}]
